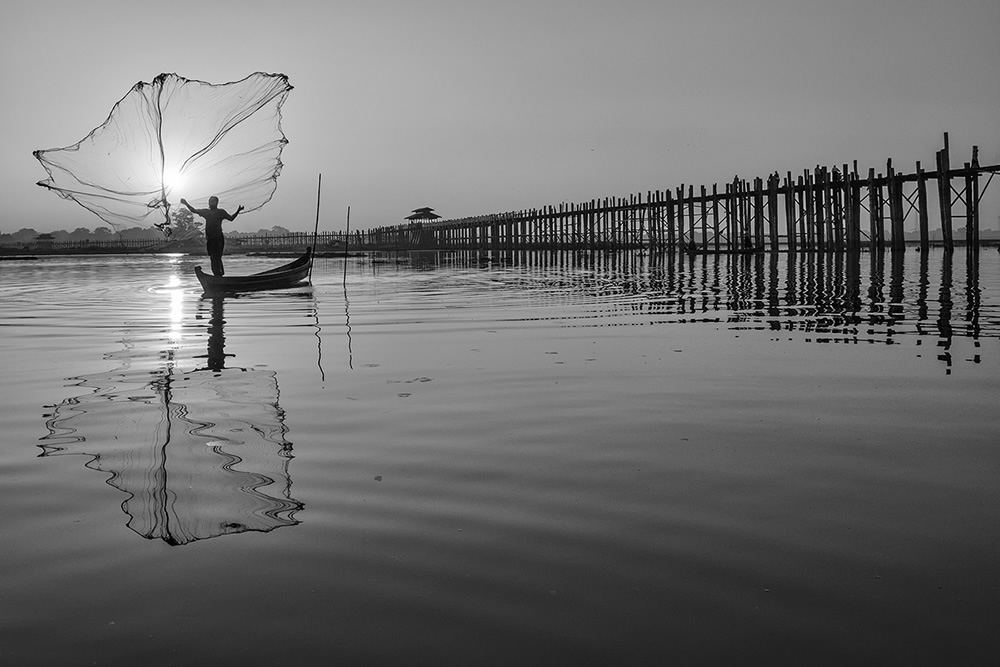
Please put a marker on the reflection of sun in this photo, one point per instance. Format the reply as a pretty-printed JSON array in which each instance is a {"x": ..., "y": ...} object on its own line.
[{"x": 176, "y": 307}]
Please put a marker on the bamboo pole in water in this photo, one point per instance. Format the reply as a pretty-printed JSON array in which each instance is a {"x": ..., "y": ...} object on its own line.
[
  {"x": 312, "y": 259},
  {"x": 347, "y": 241}
]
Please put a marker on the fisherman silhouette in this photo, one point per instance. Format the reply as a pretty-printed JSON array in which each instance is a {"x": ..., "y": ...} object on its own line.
[{"x": 215, "y": 239}]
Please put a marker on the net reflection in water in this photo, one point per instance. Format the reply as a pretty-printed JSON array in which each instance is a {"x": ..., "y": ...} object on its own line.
[{"x": 201, "y": 453}]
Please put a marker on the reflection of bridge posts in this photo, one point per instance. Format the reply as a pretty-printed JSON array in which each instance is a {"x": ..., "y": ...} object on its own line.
[
  {"x": 972, "y": 294},
  {"x": 944, "y": 314},
  {"x": 852, "y": 282},
  {"x": 895, "y": 307},
  {"x": 923, "y": 287}
]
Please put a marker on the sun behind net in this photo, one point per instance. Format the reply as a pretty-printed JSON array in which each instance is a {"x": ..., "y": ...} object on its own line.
[{"x": 173, "y": 138}]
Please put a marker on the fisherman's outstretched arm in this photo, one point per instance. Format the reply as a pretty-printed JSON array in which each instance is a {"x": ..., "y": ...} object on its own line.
[
  {"x": 199, "y": 211},
  {"x": 233, "y": 216}
]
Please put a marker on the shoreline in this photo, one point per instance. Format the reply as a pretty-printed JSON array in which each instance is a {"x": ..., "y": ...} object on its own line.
[{"x": 22, "y": 254}]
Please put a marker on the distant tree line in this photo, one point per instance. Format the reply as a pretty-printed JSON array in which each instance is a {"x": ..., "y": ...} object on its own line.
[{"x": 183, "y": 227}]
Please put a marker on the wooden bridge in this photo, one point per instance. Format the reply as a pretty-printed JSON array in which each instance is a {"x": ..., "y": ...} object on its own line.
[{"x": 822, "y": 209}]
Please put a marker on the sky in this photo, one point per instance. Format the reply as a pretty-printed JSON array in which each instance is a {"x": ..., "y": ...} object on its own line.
[{"x": 474, "y": 107}]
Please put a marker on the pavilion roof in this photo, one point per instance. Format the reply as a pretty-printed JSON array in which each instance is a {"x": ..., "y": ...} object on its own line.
[{"x": 426, "y": 213}]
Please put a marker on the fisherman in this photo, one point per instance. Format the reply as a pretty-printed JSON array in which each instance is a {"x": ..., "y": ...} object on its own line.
[{"x": 214, "y": 237}]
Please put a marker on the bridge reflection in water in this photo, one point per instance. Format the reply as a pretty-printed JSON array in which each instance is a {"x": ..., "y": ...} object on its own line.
[{"x": 849, "y": 298}]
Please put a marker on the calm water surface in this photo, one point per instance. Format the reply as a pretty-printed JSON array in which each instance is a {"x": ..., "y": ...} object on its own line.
[{"x": 545, "y": 459}]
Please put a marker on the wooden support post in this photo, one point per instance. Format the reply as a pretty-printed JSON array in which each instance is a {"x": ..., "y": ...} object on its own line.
[
  {"x": 744, "y": 208},
  {"x": 883, "y": 201},
  {"x": 944, "y": 194},
  {"x": 855, "y": 214},
  {"x": 772, "y": 210},
  {"x": 607, "y": 224},
  {"x": 531, "y": 222},
  {"x": 740, "y": 203},
  {"x": 840, "y": 198},
  {"x": 556, "y": 222},
  {"x": 598, "y": 222},
  {"x": 850, "y": 240},
  {"x": 692, "y": 222},
  {"x": 639, "y": 221},
  {"x": 743, "y": 229},
  {"x": 734, "y": 230},
  {"x": 578, "y": 226},
  {"x": 538, "y": 223},
  {"x": 819, "y": 208},
  {"x": 553, "y": 224},
  {"x": 828, "y": 193},
  {"x": 970, "y": 209},
  {"x": 625, "y": 224},
  {"x": 810, "y": 201},
  {"x": 671, "y": 220},
  {"x": 572, "y": 235},
  {"x": 565, "y": 219},
  {"x": 874, "y": 211},
  {"x": 661, "y": 208},
  {"x": 621, "y": 220},
  {"x": 593, "y": 224},
  {"x": 972, "y": 202},
  {"x": 541, "y": 228},
  {"x": 610, "y": 227},
  {"x": 715, "y": 215},
  {"x": 790, "y": 213},
  {"x": 649, "y": 213},
  {"x": 704, "y": 218},
  {"x": 627, "y": 221},
  {"x": 801, "y": 219},
  {"x": 681, "y": 227},
  {"x": 894, "y": 189},
  {"x": 922, "y": 209},
  {"x": 655, "y": 218},
  {"x": 733, "y": 210},
  {"x": 881, "y": 183}
]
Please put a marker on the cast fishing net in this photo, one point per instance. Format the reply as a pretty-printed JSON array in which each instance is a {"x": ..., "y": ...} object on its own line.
[{"x": 173, "y": 138}]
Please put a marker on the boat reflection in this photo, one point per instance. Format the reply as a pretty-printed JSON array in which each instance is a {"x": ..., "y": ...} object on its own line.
[{"x": 200, "y": 453}]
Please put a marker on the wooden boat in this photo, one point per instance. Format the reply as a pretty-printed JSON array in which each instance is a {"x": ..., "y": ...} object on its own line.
[{"x": 287, "y": 275}]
